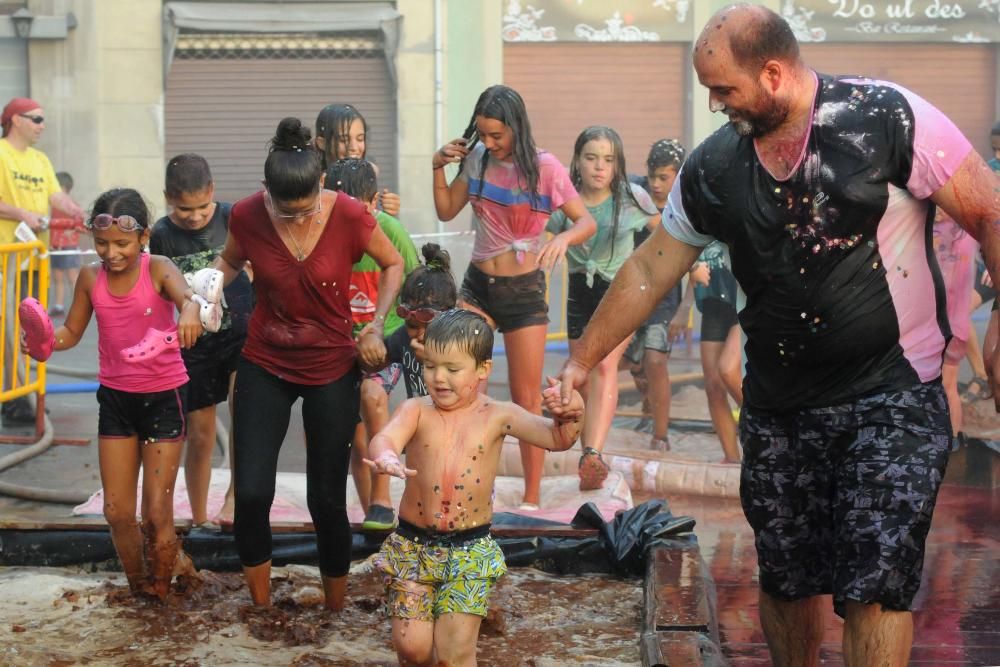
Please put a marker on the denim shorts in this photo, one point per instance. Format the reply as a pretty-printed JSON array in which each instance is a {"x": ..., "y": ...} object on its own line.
[
  {"x": 152, "y": 416},
  {"x": 512, "y": 302},
  {"x": 654, "y": 337},
  {"x": 840, "y": 499}
]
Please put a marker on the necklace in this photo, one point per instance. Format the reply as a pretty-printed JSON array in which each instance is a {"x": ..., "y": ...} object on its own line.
[{"x": 301, "y": 255}]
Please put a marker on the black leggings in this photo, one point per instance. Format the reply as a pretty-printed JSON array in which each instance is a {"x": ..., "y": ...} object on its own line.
[{"x": 262, "y": 405}]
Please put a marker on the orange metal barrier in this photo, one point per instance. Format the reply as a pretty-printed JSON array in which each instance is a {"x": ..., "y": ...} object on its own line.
[{"x": 24, "y": 269}]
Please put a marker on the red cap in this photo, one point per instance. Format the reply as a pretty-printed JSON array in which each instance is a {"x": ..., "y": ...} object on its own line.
[{"x": 16, "y": 106}]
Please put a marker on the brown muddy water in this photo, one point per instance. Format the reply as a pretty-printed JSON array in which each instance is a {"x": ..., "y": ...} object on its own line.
[{"x": 61, "y": 617}]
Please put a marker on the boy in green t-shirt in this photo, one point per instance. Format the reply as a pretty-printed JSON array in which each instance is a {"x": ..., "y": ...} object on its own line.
[{"x": 356, "y": 178}]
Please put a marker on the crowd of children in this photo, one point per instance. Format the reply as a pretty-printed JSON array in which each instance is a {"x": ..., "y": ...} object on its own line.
[{"x": 326, "y": 298}]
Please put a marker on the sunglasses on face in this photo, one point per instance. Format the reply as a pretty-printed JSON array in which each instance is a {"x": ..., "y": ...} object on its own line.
[
  {"x": 422, "y": 315},
  {"x": 103, "y": 222},
  {"x": 37, "y": 120},
  {"x": 282, "y": 215}
]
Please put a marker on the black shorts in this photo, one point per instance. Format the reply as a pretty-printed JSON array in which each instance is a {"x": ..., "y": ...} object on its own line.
[
  {"x": 717, "y": 318},
  {"x": 581, "y": 302},
  {"x": 840, "y": 499},
  {"x": 158, "y": 415},
  {"x": 513, "y": 302},
  {"x": 209, "y": 365}
]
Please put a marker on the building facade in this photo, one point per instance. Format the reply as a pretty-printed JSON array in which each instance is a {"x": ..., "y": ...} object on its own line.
[{"x": 125, "y": 84}]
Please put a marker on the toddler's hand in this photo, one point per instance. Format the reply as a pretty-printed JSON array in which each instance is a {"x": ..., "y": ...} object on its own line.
[
  {"x": 388, "y": 463},
  {"x": 418, "y": 349},
  {"x": 552, "y": 401}
]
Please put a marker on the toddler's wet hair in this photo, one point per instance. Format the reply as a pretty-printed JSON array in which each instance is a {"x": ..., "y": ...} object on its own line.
[{"x": 463, "y": 328}]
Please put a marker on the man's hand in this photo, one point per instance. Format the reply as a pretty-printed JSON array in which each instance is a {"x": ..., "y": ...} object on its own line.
[
  {"x": 388, "y": 463},
  {"x": 552, "y": 402},
  {"x": 573, "y": 375},
  {"x": 33, "y": 220}
]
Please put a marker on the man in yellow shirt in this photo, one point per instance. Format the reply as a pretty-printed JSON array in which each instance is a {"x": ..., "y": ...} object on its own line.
[{"x": 28, "y": 190}]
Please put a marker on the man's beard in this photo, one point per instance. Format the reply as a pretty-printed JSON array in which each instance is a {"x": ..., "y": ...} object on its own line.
[{"x": 760, "y": 124}]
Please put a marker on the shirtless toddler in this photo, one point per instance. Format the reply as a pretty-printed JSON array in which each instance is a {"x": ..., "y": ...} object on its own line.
[{"x": 441, "y": 563}]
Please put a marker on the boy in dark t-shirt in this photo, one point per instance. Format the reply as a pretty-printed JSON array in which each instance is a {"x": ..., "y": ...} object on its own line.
[{"x": 193, "y": 235}]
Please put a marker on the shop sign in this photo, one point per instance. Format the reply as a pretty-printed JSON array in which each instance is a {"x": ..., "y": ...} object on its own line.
[
  {"x": 598, "y": 21},
  {"x": 972, "y": 21}
]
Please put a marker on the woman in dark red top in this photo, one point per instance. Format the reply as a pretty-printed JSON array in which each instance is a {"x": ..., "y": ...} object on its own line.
[{"x": 302, "y": 242}]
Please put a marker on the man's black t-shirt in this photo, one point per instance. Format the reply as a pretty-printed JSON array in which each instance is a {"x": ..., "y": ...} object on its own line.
[
  {"x": 844, "y": 298},
  {"x": 397, "y": 346},
  {"x": 198, "y": 249}
]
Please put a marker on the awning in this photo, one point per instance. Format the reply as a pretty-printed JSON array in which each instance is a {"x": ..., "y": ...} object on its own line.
[{"x": 247, "y": 17}]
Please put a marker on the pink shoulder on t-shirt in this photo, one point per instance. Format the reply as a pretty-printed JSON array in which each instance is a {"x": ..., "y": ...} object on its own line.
[{"x": 939, "y": 147}]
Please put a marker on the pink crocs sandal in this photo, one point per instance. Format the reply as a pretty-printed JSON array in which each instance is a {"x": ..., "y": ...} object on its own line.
[
  {"x": 206, "y": 283},
  {"x": 39, "y": 336},
  {"x": 210, "y": 314},
  {"x": 153, "y": 343}
]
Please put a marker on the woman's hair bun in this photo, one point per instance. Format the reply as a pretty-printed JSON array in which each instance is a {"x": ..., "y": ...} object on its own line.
[
  {"x": 436, "y": 257},
  {"x": 291, "y": 135}
]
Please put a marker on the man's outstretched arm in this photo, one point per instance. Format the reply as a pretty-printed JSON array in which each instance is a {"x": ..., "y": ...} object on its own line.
[{"x": 642, "y": 282}]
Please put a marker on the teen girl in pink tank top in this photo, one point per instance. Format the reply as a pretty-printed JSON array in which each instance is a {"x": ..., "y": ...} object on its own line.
[{"x": 141, "y": 405}]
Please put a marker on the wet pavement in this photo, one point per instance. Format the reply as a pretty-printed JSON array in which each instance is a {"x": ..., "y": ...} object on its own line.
[{"x": 957, "y": 611}]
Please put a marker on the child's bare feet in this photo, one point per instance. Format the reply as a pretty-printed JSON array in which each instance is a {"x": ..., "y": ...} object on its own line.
[{"x": 228, "y": 509}]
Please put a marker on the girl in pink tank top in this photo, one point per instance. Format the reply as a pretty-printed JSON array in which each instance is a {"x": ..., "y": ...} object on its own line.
[{"x": 141, "y": 405}]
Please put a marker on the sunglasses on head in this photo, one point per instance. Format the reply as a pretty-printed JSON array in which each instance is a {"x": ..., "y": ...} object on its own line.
[
  {"x": 103, "y": 221},
  {"x": 422, "y": 315},
  {"x": 37, "y": 120}
]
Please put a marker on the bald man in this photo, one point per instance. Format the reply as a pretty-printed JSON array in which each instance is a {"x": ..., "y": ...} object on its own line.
[{"x": 824, "y": 189}]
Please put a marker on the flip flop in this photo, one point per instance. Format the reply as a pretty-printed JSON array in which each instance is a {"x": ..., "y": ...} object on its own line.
[
  {"x": 39, "y": 336},
  {"x": 206, "y": 283},
  {"x": 210, "y": 313},
  {"x": 984, "y": 391},
  {"x": 593, "y": 470},
  {"x": 155, "y": 342}
]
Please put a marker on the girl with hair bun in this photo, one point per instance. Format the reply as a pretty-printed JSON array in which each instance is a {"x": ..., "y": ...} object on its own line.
[
  {"x": 513, "y": 187},
  {"x": 302, "y": 241}
]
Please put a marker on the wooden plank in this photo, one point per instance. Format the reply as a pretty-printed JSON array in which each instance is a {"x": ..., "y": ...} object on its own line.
[{"x": 679, "y": 587}]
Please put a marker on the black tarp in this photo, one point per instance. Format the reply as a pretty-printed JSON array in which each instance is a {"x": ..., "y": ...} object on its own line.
[{"x": 619, "y": 547}]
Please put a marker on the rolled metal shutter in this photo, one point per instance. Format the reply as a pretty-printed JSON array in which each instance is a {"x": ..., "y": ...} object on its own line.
[
  {"x": 959, "y": 79},
  {"x": 224, "y": 103},
  {"x": 639, "y": 90}
]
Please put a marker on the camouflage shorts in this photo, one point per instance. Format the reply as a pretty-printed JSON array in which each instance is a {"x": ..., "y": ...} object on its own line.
[{"x": 840, "y": 499}]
